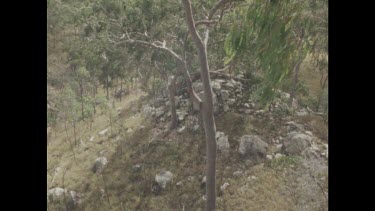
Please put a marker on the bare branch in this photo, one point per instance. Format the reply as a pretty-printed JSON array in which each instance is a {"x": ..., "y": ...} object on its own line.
[
  {"x": 205, "y": 22},
  {"x": 217, "y": 7},
  {"x": 190, "y": 22},
  {"x": 154, "y": 44}
]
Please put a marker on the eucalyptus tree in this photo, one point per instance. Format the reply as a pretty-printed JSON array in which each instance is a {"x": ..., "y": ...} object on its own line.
[
  {"x": 151, "y": 24},
  {"x": 278, "y": 33}
]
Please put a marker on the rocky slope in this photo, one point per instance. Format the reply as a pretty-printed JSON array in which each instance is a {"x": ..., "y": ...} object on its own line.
[{"x": 273, "y": 159}]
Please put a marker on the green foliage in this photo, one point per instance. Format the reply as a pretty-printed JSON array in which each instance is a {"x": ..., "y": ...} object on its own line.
[
  {"x": 272, "y": 30},
  {"x": 284, "y": 162},
  {"x": 68, "y": 105}
]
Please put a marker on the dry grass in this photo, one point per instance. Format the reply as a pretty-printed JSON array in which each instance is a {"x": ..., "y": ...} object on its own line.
[{"x": 280, "y": 185}]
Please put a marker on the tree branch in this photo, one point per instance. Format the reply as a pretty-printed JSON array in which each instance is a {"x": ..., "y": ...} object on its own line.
[
  {"x": 190, "y": 22},
  {"x": 205, "y": 22},
  {"x": 154, "y": 44},
  {"x": 217, "y": 7}
]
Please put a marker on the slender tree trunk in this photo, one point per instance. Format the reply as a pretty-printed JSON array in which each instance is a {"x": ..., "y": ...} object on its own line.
[
  {"x": 74, "y": 131},
  {"x": 295, "y": 81},
  {"x": 172, "y": 93},
  {"x": 71, "y": 146},
  {"x": 207, "y": 108},
  {"x": 54, "y": 40},
  {"x": 121, "y": 90},
  {"x": 107, "y": 84},
  {"x": 322, "y": 85},
  {"x": 94, "y": 104},
  {"x": 81, "y": 93}
]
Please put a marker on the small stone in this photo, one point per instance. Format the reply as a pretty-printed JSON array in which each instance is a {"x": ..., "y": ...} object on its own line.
[
  {"x": 252, "y": 177},
  {"x": 224, "y": 186},
  {"x": 190, "y": 178},
  {"x": 92, "y": 138},
  {"x": 278, "y": 155},
  {"x": 222, "y": 141},
  {"x": 248, "y": 111},
  {"x": 309, "y": 133},
  {"x": 103, "y": 132},
  {"x": 226, "y": 108},
  {"x": 181, "y": 130},
  {"x": 129, "y": 130},
  {"x": 237, "y": 173},
  {"x": 302, "y": 112},
  {"x": 163, "y": 178},
  {"x": 279, "y": 146},
  {"x": 196, "y": 128},
  {"x": 215, "y": 86},
  {"x": 137, "y": 167},
  {"x": 231, "y": 102},
  {"x": 260, "y": 113},
  {"x": 204, "y": 179},
  {"x": 269, "y": 157},
  {"x": 99, "y": 164},
  {"x": 180, "y": 183}
]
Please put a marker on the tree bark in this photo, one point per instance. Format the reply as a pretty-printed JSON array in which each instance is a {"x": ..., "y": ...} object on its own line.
[
  {"x": 207, "y": 107},
  {"x": 74, "y": 131},
  {"x": 172, "y": 103},
  {"x": 121, "y": 89},
  {"x": 295, "y": 81},
  {"x": 81, "y": 93},
  {"x": 322, "y": 85},
  {"x": 107, "y": 84},
  {"x": 94, "y": 92}
]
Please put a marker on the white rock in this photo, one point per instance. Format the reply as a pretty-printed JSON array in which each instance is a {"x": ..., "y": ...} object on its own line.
[
  {"x": 222, "y": 141},
  {"x": 103, "y": 132},
  {"x": 248, "y": 111},
  {"x": 224, "y": 186},
  {"x": 309, "y": 133},
  {"x": 269, "y": 157},
  {"x": 215, "y": 86},
  {"x": 56, "y": 192},
  {"x": 190, "y": 178},
  {"x": 279, "y": 146},
  {"x": 163, "y": 178},
  {"x": 278, "y": 155},
  {"x": 237, "y": 173},
  {"x": 302, "y": 112},
  {"x": 99, "y": 164},
  {"x": 231, "y": 102},
  {"x": 252, "y": 177},
  {"x": 204, "y": 179},
  {"x": 92, "y": 138},
  {"x": 226, "y": 108},
  {"x": 181, "y": 130}
]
